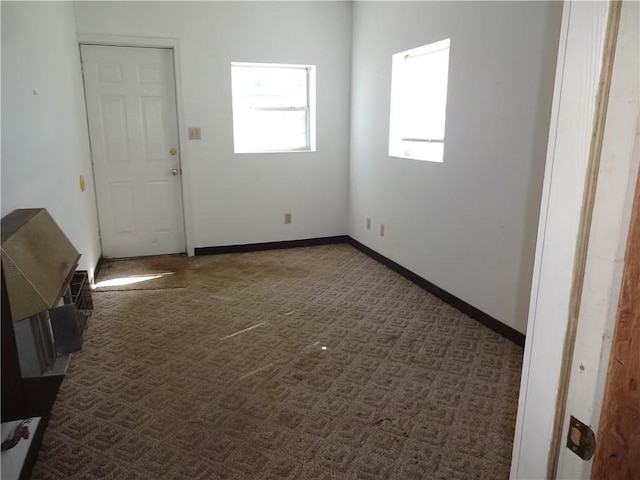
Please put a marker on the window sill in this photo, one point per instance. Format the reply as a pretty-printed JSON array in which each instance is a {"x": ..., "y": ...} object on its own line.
[
  {"x": 275, "y": 151},
  {"x": 430, "y": 160}
]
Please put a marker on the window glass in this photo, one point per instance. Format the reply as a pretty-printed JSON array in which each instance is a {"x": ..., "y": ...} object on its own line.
[
  {"x": 419, "y": 80},
  {"x": 272, "y": 107}
]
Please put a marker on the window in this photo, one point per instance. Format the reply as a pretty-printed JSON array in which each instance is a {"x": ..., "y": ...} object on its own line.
[
  {"x": 273, "y": 107},
  {"x": 418, "y": 102}
]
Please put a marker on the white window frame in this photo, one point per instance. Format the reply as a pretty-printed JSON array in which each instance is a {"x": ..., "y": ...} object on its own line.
[
  {"x": 399, "y": 142},
  {"x": 309, "y": 108}
]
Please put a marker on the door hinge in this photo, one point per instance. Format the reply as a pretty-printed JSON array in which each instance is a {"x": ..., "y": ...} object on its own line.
[{"x": 580, "y": 439}]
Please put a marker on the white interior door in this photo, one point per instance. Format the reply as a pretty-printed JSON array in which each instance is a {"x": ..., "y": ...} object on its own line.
[{"x": 133, "y": 126}]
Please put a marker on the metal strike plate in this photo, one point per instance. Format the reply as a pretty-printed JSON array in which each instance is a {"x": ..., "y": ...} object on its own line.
[{"x": 581, "y": 439}]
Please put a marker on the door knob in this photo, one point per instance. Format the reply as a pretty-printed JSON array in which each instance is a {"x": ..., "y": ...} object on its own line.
[
  {"x": 172, "y": 151},
  {"x": 174, "y": 171}
]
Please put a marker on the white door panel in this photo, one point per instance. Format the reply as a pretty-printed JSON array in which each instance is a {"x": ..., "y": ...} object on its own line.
[
  {"x": 121, "y": 199},
  {"x": 134, "y": 140}
]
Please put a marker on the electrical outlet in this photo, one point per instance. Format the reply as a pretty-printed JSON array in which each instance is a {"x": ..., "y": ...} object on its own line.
[
  {"x": 382, "y": 229},
  {"x": 194, "y": 133},
  {"x": 287, "y": 218},
  {"x": 368, "y": 224}
]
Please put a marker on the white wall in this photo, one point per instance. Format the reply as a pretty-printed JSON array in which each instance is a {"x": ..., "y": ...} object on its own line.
[
  {"x": 45, "y": 144},
  {"x": 467, "y": 225},
  {"x": 238, "y": 199}
]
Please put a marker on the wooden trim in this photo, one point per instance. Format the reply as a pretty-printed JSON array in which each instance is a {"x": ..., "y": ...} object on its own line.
[
  {"x": 478, "y": 315},
  {"x": 256, "y": 247},
  {"x": 618, "y": 442}
]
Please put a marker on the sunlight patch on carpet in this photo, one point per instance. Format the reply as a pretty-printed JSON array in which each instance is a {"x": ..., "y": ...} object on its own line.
[{"x": 118, "y": 282}]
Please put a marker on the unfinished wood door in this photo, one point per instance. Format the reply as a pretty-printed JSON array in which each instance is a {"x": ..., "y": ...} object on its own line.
[{"x": 133, "y": 126}]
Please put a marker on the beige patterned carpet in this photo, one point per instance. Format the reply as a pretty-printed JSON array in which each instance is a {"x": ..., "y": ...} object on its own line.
[{"x": 309, "y": 363}]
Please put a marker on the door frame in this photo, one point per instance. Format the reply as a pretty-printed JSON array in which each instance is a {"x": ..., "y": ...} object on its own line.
[
  {"x": 580, "y": 53},
  {"x": 584, "y": 223},
  {"x": 174, "y": 45},
  {"x": 604, "y": 259}
]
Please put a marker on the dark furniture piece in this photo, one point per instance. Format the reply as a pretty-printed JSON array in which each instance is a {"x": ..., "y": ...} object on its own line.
[{"x": 45, "y": 306}]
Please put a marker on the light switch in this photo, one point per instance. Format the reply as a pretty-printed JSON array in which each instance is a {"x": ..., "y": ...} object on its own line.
[{"x": 194, "y": 133}]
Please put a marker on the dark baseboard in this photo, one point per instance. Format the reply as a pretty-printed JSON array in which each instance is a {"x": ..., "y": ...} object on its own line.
[
  {"x": 487, "y": 320},
  {"x": 256, "y": 247}
]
